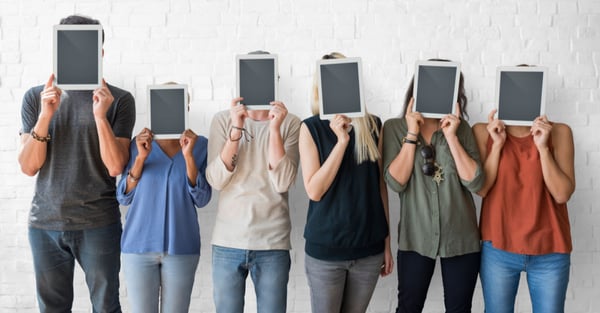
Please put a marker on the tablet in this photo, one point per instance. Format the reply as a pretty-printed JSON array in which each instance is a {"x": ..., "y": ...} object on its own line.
[
  {"x": 520, "y": 94},
  {"x": 436, "y": 88},
  {"x": 167, "y": 110},
  {"x": 340, "y": 88},
  {"x": 256, "y": 76},
  {"x": 77, "y": 56}
]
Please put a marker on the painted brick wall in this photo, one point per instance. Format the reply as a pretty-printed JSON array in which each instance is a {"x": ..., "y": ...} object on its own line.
[{"x": 194, "y": 42}]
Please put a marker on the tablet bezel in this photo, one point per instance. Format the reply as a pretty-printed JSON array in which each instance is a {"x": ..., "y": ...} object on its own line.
[
  {"x": 185, "y": 108},
  {"x": 358, "y": 63},
  {"x": 273, "y": 57},
  {"x": 418, "y": 64},
  {"x": 77, "y": 27},
  {"x": 539, "y": 69}
]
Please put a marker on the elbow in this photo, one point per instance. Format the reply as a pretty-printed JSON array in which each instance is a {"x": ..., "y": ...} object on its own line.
[
  {"x": 562, "y": 198},
  {"x": 114, "y": 172},
  {"x": 314, "y": 196},
  {"x": 29, "y": 171}
]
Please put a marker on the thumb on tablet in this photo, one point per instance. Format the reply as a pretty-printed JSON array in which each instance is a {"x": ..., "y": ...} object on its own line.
[
  {"x": 491, "y": 116},
  {"x": 104, "y": 83},
  {"x": 411, "y": 103}
]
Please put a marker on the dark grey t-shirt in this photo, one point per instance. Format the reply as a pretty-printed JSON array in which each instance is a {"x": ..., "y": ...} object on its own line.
[{"x": 74, "y": 190}]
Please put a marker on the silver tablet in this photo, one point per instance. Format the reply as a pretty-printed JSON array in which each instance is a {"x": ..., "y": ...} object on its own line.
[
  {"x": 167, "y": 110},
  {"x": 77, "y": 56},
  {"x": 340, "y": 87},
  {"x": 436, "y": 88},
  {"x": 520, "y": 94},
  {"x": 256, "y": 76}
]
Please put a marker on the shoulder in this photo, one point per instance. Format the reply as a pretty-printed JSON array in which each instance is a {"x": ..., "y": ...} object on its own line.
[
  {"x": 480, "y": 129},
  {"x": 561, "y": 133},
  {"x": 313, "y": 121},
  {"x": 119, "y": 93},
  {"x": 395, "y": 123},
  {"x": 292, "y": 120},
  {"x": 33, "y": 92}
]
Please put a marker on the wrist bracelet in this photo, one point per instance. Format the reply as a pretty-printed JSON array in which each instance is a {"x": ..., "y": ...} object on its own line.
[
  {"x": 132, "y": 178},
  {"x": 411, "y": 133},
  {"x": 38, "y": 138},
  {"x": 410, "y": 141},
  {"x": 241, "y": 129}
]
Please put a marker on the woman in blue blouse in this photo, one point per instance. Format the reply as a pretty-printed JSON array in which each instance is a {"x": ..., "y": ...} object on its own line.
[{"x": 163, "y": 184}]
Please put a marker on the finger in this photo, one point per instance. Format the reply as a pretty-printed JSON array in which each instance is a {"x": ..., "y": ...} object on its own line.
[
  {"x": 236, "y": 101},
  {"x": 411, "y": 103},
  {"x": 457, "y": 109},
  {"x": 491, "y": 116},
  {"x": 50, "y": 82}
]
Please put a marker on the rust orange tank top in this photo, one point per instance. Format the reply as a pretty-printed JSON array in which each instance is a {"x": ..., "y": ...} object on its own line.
[{"x": 519, "y": 214}]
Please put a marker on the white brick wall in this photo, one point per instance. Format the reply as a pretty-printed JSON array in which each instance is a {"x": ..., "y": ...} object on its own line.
[{"x": 194, "y": 42}]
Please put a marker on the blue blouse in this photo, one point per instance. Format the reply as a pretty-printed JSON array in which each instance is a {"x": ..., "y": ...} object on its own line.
[{"x": 162, "y": 213}]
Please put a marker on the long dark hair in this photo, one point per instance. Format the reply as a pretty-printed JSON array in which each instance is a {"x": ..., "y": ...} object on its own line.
[{"x": 462, "y": 97}]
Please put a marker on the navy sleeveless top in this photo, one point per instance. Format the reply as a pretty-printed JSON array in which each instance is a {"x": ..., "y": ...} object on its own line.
[{"x": 349, "y": 221}]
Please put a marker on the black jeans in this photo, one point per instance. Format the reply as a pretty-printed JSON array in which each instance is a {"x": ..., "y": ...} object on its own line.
[{"x": 459, "y": 276}]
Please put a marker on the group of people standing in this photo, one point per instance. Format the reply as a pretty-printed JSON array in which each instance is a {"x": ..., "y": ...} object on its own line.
[{"x": 78, "y": 142}]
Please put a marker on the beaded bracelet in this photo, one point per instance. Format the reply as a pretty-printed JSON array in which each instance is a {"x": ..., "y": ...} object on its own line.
[{"x": 38, "y": 138}]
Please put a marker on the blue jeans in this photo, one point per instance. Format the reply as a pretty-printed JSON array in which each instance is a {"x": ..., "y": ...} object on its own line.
[
  {"x": 269, "y": 270},
  {"x": 98, "y": 253},
  {"x": 342, "y": 286},
  {"x": 547, "y": 278},
  {"x": 154, "y": 276}
]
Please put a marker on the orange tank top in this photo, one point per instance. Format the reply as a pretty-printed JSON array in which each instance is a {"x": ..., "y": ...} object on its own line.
[{"x": 519, "y": 214}]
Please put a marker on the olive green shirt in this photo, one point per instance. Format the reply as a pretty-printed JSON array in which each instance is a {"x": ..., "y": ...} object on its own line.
[{"x": 435, "y": 219}]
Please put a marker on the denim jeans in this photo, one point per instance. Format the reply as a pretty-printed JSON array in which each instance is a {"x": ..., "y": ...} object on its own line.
[
  {"x": 153, "y": 276},
  {"x": 342, "y": 286},
  {"x": 459, "y": 277},
  {"x": 98, "y": 253},
  {"x": 269, "y": 270},
  {"x": 547, "y": 278}
]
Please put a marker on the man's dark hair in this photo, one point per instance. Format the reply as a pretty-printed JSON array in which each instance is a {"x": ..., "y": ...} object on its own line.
[{"x": 81, "y": 20}]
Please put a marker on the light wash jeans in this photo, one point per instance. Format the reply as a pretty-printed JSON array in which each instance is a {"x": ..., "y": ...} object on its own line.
[
  {"x": 342, "y": 286},
  {"x": 547, "y": 278},
  {"x": 269, "y": 270},
  {"x": 151, "y": 277},
  {"x": 98, "y": 252}
]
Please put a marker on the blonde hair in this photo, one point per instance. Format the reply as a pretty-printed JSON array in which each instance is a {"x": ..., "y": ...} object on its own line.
[{"x": 365, "y": 147}]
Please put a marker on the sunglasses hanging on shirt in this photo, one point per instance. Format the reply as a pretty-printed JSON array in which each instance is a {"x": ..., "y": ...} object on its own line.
[{"x": 431, "y": 168}]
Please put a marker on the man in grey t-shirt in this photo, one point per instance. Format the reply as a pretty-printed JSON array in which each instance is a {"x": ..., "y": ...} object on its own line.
[{"x": 76, "y": 142}]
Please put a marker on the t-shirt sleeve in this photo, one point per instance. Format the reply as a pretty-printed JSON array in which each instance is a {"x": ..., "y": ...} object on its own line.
[
  {"x": 392, "y": 143},
  {"x": 125, "y": 116},
  {"x": 30, "y": 110}
]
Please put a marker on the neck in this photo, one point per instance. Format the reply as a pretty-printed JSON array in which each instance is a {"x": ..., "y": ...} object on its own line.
[
  {"x": 518, "y": 131},
  {"x": 258, "y": 115}
]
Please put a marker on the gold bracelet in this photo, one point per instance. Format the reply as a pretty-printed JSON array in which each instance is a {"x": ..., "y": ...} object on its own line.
[{"x": 38, "y": 138}]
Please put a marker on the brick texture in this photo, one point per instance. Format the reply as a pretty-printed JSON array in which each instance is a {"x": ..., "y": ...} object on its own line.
[{"x": 194, "y": 42}]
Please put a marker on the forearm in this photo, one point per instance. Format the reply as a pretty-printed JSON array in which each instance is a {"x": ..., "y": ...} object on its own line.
[
  {"x": 276, "y": 149},
  {"x": 560, "y": 186},
  {"x": 229, "y": 153},
  {"x": 322, "y": 179},
  {"x": 114, "y": 154},
  {"x": 136, "y": 172},
  {"x": 32, "y": 153},
  {"x": 402, "y": 166},
  {"x": 465, "y": 165}
]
